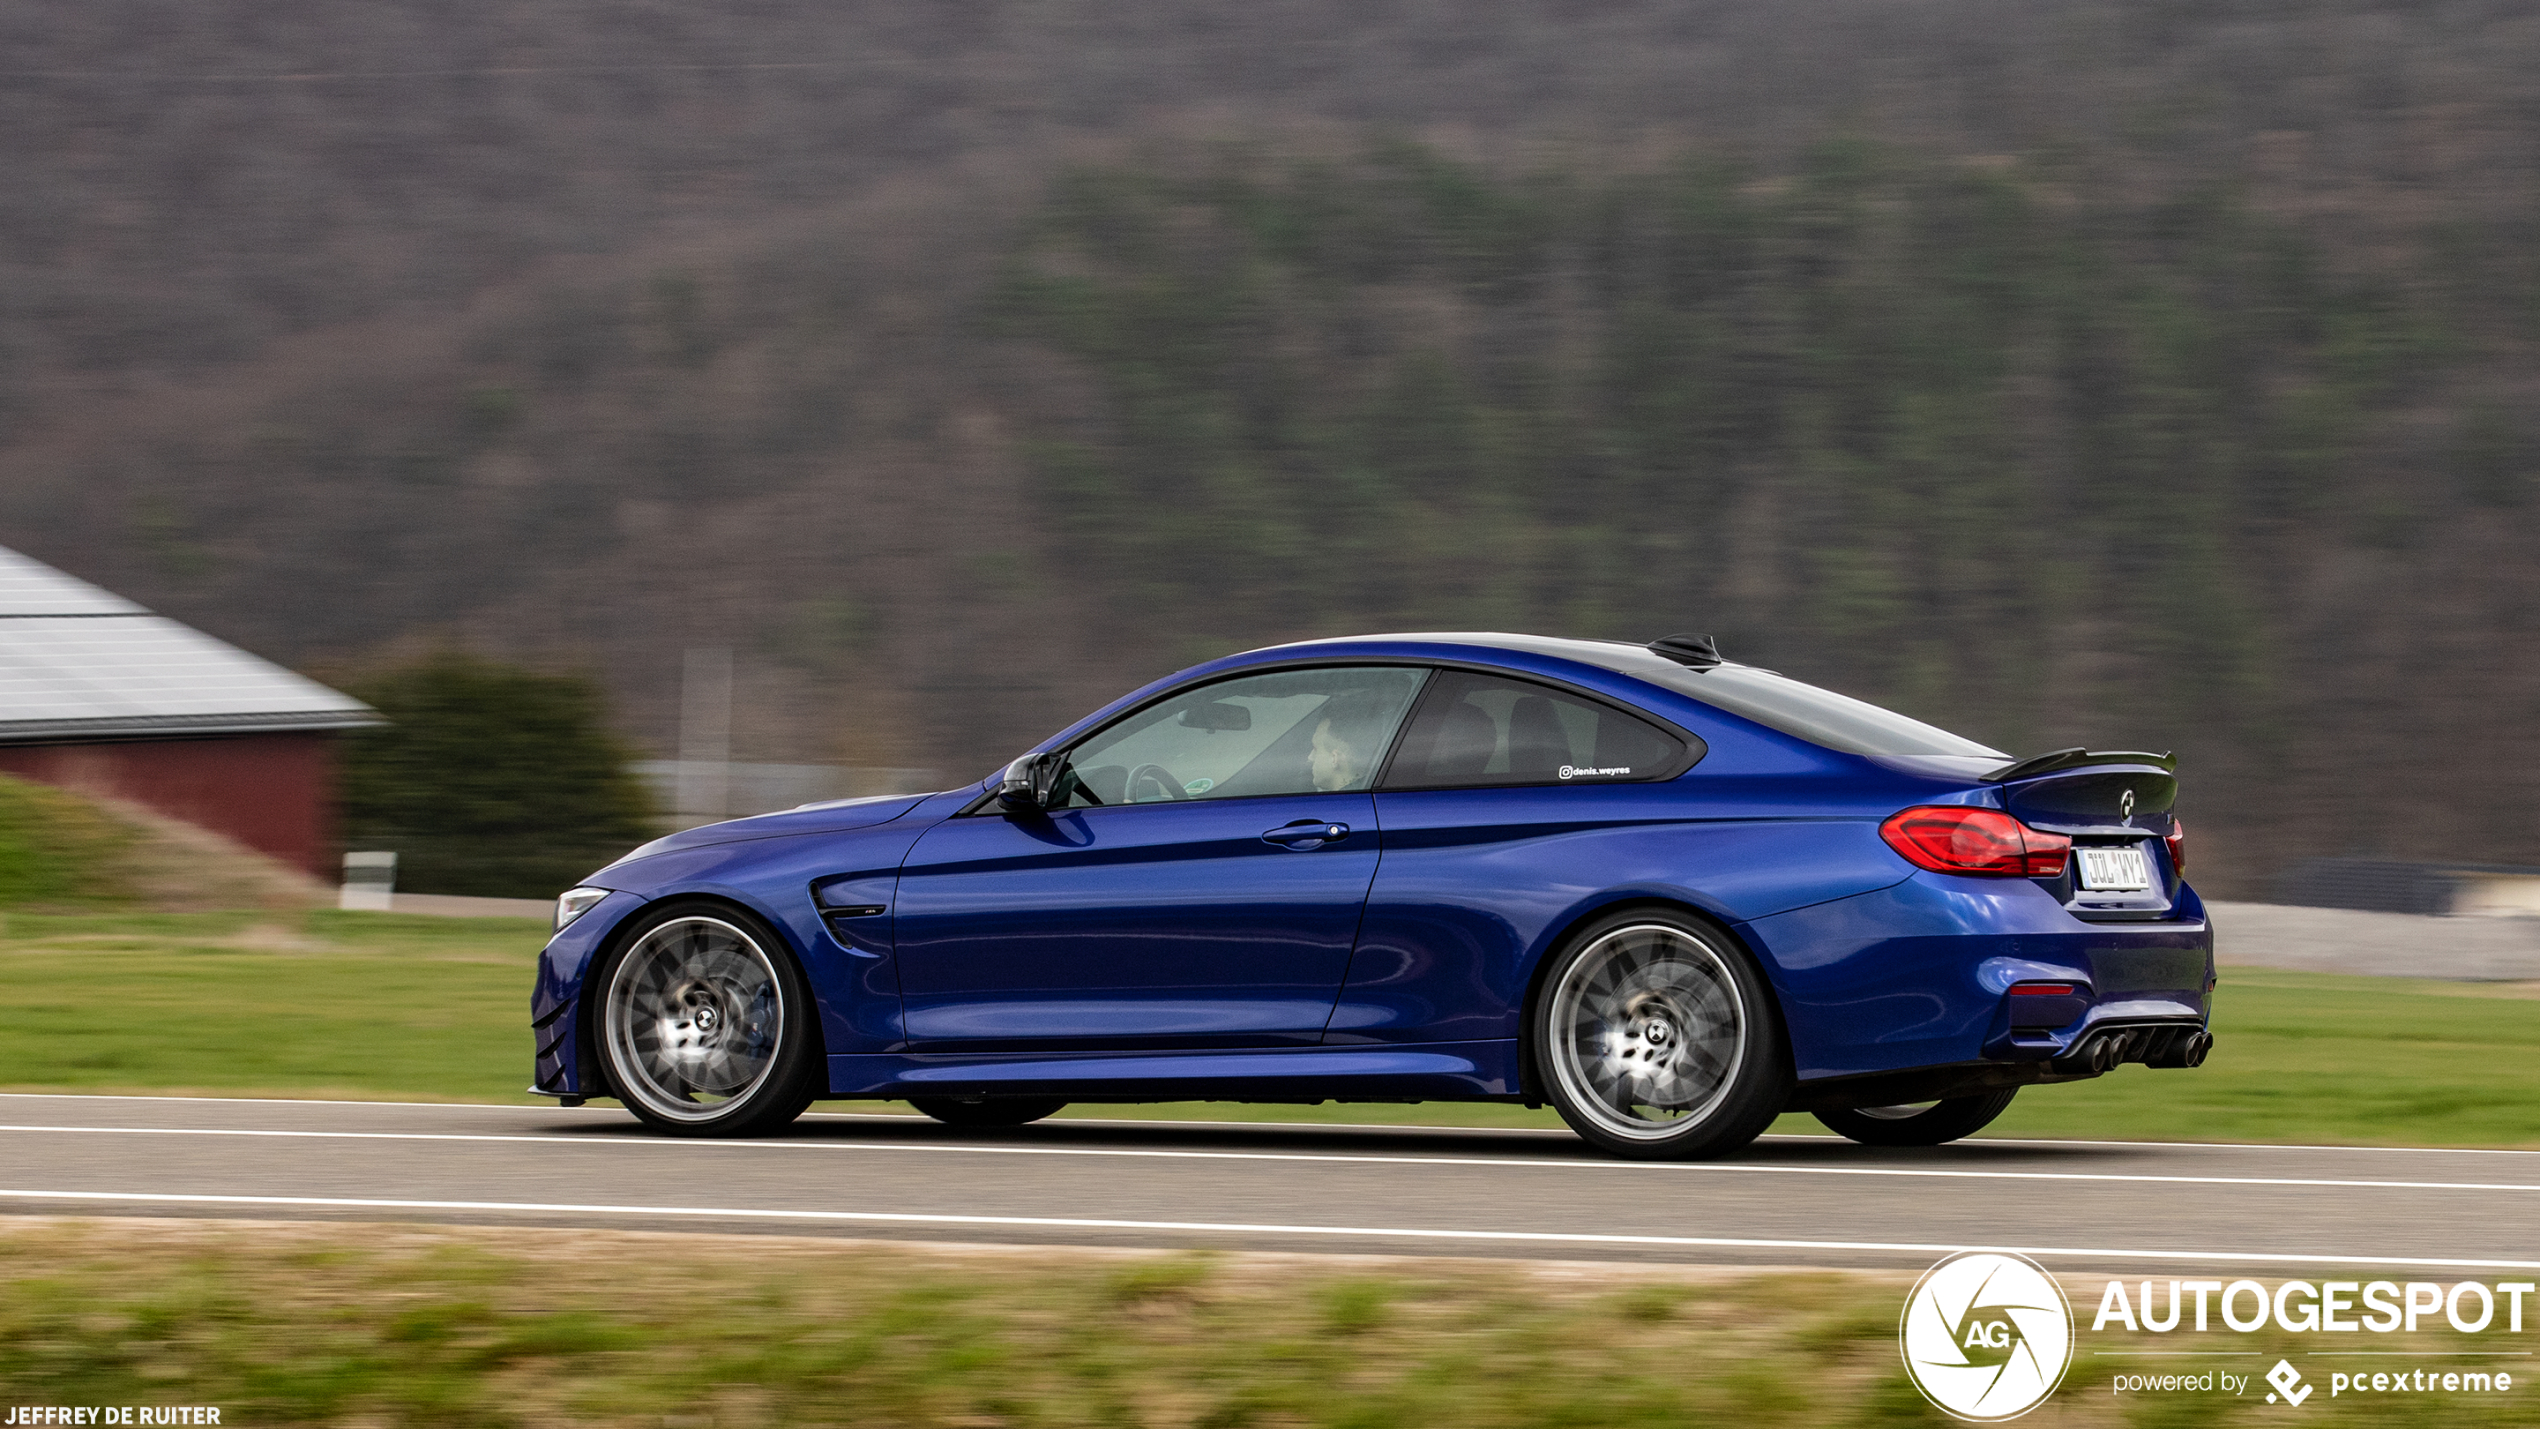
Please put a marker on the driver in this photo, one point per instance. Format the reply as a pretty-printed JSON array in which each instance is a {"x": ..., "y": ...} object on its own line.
[{"x": 1345, "y": 738}]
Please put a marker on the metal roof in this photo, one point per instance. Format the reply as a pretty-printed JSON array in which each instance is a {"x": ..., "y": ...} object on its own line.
[
  {"x": 30, "y": 587},
  {"x": 80, "y": 663}
]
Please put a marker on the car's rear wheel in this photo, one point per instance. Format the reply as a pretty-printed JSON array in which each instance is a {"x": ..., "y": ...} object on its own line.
[
  {"x": 1919, "y": 1123},
  {"x": 987, "y": 1111},
  {"x": 1656, "y": 1038},
  {"x": 707, "y": 1027}
]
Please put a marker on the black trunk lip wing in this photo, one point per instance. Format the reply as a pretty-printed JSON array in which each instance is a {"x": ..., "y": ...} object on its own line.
[{"x": 2057, "y": 761}]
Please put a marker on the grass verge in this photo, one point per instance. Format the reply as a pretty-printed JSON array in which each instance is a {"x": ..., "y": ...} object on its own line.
[
  {"x": 459, "y": 1327},
  {"x": 301, "y": 1004},
  {"x": 328, "y": 1004}
]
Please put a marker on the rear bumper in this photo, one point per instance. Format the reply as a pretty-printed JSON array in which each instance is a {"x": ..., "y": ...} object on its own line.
[
  {"x": 1915, "y": 978},
  {"x": 2158, "y": 1044}
]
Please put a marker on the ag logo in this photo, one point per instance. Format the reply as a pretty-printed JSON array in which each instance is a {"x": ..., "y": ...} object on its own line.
[{"x": 1987, "y": 1336}]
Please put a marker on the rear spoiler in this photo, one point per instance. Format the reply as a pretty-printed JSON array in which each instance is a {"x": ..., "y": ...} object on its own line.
[{"x": 2074, "y": 759}]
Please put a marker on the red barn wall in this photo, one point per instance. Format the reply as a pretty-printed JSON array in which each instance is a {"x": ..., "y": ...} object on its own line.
[{"x": 272, "y": 792}]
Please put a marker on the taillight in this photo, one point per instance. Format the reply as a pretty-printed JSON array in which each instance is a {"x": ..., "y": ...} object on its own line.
[
  {"x": 1987, "y": 843},
  {"x": 2176, "y": 838}
]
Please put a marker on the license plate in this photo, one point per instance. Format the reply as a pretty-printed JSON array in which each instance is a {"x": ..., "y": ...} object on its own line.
[{"x": 2114, "y": 870}]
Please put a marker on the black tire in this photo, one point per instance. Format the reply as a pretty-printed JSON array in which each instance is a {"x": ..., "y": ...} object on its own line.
[
  {"x": 704, "y": 1024},
  {"x": 1656, "y": 1038},
  {"x": 987, "y": 1111},
  {"x": 1925, "y": 1125}
]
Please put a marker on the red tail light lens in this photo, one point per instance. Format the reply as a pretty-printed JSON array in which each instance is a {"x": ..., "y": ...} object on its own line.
[
  {"x": 2176, "y": 838},
  {"x": 1986, "y": 843}
]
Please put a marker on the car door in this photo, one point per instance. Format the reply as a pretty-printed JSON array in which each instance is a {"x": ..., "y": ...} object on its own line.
[
  {"x": 1508, "y": 800},
  {"x": 1197, "y": 883}
]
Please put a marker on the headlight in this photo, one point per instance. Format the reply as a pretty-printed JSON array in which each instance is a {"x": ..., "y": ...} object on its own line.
[{"x": 574, "y": 902}]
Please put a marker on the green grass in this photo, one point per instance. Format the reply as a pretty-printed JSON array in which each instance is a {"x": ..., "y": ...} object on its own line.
[
  {"x": 470, "y": 1327},
  {"x": 459, "y": 1327},
  {"x": 376, "y": 1005},
  {"x": 2316, "y": 1057},
  {"x": 56, "y": 849},
  {"x": 316, "y": 1004}
]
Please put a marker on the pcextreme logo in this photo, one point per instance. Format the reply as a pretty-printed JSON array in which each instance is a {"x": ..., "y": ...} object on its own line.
[{"x": 1987, "y": 1336}]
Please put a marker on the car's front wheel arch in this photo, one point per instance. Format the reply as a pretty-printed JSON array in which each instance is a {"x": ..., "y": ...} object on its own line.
[{"x": 803, "y": 1075}]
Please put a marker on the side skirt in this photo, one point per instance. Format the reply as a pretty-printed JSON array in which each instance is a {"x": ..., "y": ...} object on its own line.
[{"x": 1428, "y": 1071}]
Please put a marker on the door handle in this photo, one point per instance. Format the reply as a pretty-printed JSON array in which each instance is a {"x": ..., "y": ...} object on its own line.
[{"x": 1307, "y": 833}]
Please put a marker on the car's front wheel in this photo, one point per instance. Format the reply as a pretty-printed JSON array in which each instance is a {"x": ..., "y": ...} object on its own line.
[
  {"x": 1919, "y": 1123},
  {"x": 1656, "y": 1037},
  {"x": 706, "y": 1025}
]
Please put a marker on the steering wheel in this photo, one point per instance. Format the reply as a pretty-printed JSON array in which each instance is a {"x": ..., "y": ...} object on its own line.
[{"x": 1156, "y": 775}]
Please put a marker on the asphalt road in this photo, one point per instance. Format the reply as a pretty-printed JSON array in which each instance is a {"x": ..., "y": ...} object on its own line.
[{"x": 2137, "y": 1208}]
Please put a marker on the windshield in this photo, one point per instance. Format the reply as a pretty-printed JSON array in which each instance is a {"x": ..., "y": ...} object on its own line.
[{"x": 1818, "y": 716}]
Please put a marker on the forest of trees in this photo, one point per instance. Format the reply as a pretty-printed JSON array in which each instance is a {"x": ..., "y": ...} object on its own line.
[
  {"x": 2123, "y": 374},
  {"x": 2039, "y": 466}
]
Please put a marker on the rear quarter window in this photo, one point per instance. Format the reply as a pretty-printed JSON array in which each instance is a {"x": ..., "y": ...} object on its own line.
[
  {"x": 1816, "y": 715},
  {"x": 1475, "y": 730}
]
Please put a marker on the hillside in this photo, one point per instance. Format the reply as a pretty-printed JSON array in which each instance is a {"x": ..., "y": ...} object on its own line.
[
  {"x": 189, "y": 183},
  {"x": 2063, "y": 373}
]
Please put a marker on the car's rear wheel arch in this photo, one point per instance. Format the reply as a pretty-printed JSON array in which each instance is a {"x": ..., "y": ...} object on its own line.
[{"x": 1529, "y": 1065}]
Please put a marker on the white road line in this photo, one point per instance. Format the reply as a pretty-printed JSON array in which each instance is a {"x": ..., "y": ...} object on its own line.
[
  {"x": 280, "y": 1101},
  {"x": 1716, "y": 1168},
  {"x": 1170, "y": 1122},
  {"x": 1243, "y": 1228},
  {"x": 2214, "y": 1145}
]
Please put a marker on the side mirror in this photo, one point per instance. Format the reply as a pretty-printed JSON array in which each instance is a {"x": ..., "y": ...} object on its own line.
[{"x": 1030, "y": 781}]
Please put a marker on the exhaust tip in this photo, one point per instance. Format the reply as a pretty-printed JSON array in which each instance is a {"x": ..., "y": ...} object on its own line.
[
  {"x": 2088, "y": 1056},
  {"x": 2186, "y": 1048}
]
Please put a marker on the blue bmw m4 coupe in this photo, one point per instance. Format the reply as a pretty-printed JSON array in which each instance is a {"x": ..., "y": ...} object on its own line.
[{"x": 1668, "y": 894}]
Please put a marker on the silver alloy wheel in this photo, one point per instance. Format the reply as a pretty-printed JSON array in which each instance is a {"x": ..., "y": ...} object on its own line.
[
  {"x": 1648, "y": 1029},
  {"x": 1904, "y": 1111},
  {"x": 693, "y": 1018}
]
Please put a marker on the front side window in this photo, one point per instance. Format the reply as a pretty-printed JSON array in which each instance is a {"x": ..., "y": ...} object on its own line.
[
  {"x": 1287, "y": 732},
  {"x": 1475, "y": 729}
]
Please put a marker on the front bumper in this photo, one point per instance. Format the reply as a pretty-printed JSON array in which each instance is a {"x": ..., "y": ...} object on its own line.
[{"x": 562, "y": 1065}]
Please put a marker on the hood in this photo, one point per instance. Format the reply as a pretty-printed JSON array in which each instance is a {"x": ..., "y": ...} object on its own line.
[{"x": 831, "y": 817}]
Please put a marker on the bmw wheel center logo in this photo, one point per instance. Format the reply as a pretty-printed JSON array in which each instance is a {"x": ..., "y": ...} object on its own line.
[{"x": 1987, "y": 1336}]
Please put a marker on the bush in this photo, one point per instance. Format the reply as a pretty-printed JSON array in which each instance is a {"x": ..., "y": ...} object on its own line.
[{"x": 490, "y": 780}]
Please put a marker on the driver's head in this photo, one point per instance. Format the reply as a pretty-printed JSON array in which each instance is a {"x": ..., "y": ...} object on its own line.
[{"x": 1344, "y": 740}]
